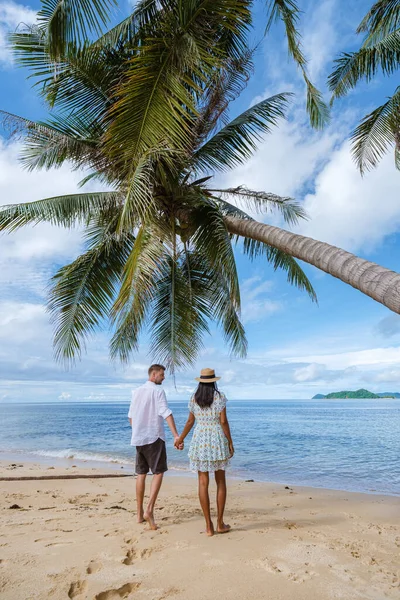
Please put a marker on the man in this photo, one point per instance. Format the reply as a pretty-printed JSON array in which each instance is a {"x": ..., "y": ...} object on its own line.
[{"x": 146, "y": 415}]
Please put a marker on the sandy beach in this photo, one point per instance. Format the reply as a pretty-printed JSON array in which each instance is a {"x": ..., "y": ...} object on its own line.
[{"x": 78, "y": 538}]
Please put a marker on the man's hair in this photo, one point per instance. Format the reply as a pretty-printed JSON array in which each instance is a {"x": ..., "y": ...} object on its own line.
[{"x": 155, "y": 368}]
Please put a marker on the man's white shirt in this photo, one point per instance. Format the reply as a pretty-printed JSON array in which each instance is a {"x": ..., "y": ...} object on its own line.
[{"x": 148, "y": 410}]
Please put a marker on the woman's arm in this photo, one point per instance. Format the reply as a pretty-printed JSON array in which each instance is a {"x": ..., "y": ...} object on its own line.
[
  {"x": 223, "y": 419},
  {"x": 186, "y": 430}
]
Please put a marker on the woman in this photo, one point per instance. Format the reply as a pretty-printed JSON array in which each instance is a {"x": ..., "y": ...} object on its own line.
[{"x": 211, "y": 446}]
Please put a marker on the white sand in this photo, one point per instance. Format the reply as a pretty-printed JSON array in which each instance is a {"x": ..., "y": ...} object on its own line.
[{"x": 69, "y": 541}]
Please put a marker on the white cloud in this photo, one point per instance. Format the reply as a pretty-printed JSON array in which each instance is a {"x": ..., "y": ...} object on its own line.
[
  {"x": 27, "y": 256},
  {"x": 287, "y": 159},
  {"x": 255, "y": 306},
  {"x": 374, "y": 357},
  {"x": 311, "y": 372},
  {"x": 12, "y": 14},
  {"x": 64, "y": 396},
  {"x": 20, "y": 322},
  {"x": 349, "y": 211},
  {"x": 319, "y": 36}
]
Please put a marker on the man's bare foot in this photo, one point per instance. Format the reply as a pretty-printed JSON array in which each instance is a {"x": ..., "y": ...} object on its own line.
[
  {"x": 223, "y": 528},
  {"x": 149, "y": 518}
]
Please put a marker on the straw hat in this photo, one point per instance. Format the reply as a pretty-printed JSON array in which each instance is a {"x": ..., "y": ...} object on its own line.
[{"x": 207, "y": 376}]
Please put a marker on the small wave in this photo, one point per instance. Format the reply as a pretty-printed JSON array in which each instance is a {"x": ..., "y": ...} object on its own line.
[{"x": 70, "y": 453}]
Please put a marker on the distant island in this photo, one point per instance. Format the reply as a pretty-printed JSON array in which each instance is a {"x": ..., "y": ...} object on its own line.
[{"x": 357, "y": 394}]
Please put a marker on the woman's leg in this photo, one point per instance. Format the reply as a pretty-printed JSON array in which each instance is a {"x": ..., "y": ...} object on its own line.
[
  {"x": 221, "y": 499},
  {"x": 205, "y": 501}
]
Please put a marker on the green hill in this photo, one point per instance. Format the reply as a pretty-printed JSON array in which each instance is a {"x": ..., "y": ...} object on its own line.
[{"x": 349, "y": 394}]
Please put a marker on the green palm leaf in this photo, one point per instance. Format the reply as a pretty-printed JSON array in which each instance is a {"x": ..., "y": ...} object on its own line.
[
  {"x": 72, "y": 21},
  {"x": 212, "y": 240},
  {"x": 130, "y": 310},
  {"x": 377, "y": 131},
  {"x": 178, "y": 325},
  {"x": 49, "y": 144},
  {"x": 65, "y": 211},
  {"x": 146, "y": 15},
  {"x": 157, "y": 99},
  {"x": 237, "y": 141},
  {"x": 381, "y": 19},
  {"x": 281, "y": 260},
  {"x": 354, "y": 66},
  {"x": 289, "y": 13},
  {"x": 80, "y": 82},
  {"x": 82, "y": 292},
  {"x": 264, "y": 202}
]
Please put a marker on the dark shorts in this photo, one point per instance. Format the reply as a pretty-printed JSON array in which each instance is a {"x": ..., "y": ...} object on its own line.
[{"x": 151, "y": 457}]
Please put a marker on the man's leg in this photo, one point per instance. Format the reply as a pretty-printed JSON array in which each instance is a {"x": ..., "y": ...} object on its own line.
[
  {"x": 205, "y": 501},
  {"x": 154, "y": 489},
  {"x": 140, "y": 487}
]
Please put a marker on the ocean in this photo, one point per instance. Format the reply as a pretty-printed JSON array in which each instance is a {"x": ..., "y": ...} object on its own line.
[{"x": 351, "y": 445}]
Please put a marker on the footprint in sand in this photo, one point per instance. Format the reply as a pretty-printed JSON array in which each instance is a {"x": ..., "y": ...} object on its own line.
[
  {"x": 93, "y": 567},
  {"x": 133, "y": 555},
  {"x": 299, "y": 576},
  {"x": 115, "y": 594},
  {"x": 76, "y": 588}
]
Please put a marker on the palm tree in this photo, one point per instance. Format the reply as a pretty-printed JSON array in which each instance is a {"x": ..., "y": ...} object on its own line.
[
  {"x": 379, "y": 52},
  {"x": 144, "y": 109}
]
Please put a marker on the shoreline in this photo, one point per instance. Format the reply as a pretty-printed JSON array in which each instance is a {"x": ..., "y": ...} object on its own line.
[
  {"x": 129, "y": 468},
  {"x": 78, "y": 538}
]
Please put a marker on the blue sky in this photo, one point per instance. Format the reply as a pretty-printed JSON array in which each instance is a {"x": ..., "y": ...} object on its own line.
[{"x": 296, "y": 348}]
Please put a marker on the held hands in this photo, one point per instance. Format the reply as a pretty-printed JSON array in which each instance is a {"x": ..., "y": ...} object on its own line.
[{"x": 178, "y": 443}]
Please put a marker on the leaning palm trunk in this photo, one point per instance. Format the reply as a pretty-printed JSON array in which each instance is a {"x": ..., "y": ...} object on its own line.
[{"x": 371, "y": 279}]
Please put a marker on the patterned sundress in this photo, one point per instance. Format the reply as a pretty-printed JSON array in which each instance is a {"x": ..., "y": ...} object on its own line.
[{"x": 209, "y": 448}]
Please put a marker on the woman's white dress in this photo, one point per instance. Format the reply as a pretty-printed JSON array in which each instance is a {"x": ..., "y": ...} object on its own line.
[{"x": 209, "y": 448}]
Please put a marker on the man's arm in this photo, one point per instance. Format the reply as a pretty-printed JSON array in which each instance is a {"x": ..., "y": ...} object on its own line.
[
  {"x": 171, "y": 424},
  {"x": 166, "y": 413}
]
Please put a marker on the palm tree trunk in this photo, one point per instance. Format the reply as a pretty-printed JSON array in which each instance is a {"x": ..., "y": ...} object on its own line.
[{"x": 371, "y": 279}]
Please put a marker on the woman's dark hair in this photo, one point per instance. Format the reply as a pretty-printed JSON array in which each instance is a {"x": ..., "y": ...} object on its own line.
[{"x": 204, "y": 395}]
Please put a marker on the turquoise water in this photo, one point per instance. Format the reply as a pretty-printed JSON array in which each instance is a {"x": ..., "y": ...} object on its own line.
[{"x": 339, "y": 444}]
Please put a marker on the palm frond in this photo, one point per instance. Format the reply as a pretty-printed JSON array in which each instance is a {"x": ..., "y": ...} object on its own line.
[
  {"x": 226, "y": 85},
  {"x": 139, "y": 197},
  {"x": 160, "y": 90},
  {"x": 178, "y": 324},
  {"x": 66, "y": 211},
  {"x": 281, "y": 260},
  {"x": 264, "y": 202},
  {"x": 49, "y": 144},
  {"x": 80, "y": 82},
  {"x": 289, "y": 13},
  {"x": 82, "y": 292},
  {"x": 146, "y": 15},
  {"x": 316, "y": 107},
  {"x": 377, "y": 131},
  {"x": 212, "y": 240},
  {"x": 351, "y": 67},
  {"x": 72, "y": 21},
  {"x": 130, "y": 310},
  {"x": 382, "y": 18},
  {"x": 236, "y": 142}
]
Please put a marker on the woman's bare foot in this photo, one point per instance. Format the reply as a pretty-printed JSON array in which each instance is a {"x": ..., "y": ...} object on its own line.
[
  {"x": 222, "y": 528},
  {"x": 210, "y": 530},
  {"x": 149, "y": 518},
  {"x": 140, "y": 518}
]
